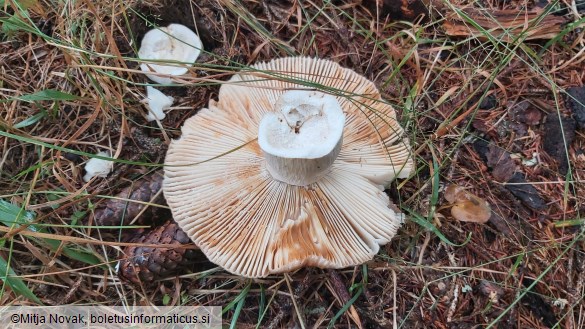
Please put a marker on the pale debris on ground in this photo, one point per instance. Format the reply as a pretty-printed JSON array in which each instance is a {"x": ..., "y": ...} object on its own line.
[
  {"x": 98, "y": 167},
  {"x": 157, "y": 102}
]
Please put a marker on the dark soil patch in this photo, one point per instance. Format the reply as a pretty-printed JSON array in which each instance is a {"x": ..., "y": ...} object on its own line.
[
  {"x": 558, "y": 135},
  {"x": 576, "y": 104}
]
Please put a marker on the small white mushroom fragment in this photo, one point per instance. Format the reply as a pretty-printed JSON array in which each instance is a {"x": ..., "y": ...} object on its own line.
[
  {"x": 275, "y": 176},
  {"x": 98, "y": 167},
  {"x": 157, "y": 102},
  {"x": 176, "y": 45}
]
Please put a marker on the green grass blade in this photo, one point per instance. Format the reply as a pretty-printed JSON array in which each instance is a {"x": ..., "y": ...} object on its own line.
[
  {"x": 262, "y": 304},
  {"x": 432, "y": 228},
  {"x": 236, "y": 300},
  {"x": 15, "y": 283},
  {"x": 31, "y": 120},
  {"x": 14, "y": 216},
  {"x": 237, "y": 311},
  {"x": 48, "y": 95},
  {"x": 345, "y": 307}
]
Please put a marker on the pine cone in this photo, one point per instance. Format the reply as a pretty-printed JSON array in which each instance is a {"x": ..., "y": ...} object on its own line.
[
  {"x": 146, "y": 264},
  {"x": 120, "y": 211}
]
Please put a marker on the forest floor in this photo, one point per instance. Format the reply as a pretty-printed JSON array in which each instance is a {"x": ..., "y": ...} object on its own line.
[{"x": 490, "y": 93}]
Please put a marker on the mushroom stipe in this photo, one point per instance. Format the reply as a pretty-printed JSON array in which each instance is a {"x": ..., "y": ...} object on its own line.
[{"x": 255, "y": 218}]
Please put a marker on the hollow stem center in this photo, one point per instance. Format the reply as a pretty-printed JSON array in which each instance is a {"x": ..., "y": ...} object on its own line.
[{"x": 302, "y": 137}]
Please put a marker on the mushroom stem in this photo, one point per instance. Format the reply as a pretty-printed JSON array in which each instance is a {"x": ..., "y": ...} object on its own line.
[{"x": 302, "y": 138}]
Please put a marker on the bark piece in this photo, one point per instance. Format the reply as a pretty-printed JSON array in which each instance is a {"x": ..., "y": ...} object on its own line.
[
  {"x": 526, "y": 114},
  {"x": 503, "y": 167},
  {"x": 525, "y": 192},
  {"x": 541, "y": 309},
  {"x": 576, "y": 103},
  {"x": 556, "y": 134},
  {"x": 505, "y": 25}
]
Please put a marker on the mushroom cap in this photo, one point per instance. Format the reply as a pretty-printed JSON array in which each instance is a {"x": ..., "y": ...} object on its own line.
[
  {"x": 222, "y": 196},
  {"x": 467, "y": 207},
  {"x": 174, "y": 43}
]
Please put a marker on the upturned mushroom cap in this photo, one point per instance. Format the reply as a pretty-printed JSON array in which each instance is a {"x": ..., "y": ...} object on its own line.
[
  {"x": 222, "y": 195},
  {"x": 175, "y": 44}
]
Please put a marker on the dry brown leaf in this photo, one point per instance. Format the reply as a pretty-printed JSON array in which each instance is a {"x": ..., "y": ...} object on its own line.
[
  {"x": 503, "y": 167},
  {"x": 467, "y": 207}
]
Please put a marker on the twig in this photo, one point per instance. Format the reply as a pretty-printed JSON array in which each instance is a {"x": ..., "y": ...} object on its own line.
[{"x": 292, "y": 297}]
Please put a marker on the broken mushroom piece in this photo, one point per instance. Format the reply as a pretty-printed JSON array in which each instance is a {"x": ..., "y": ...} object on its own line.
[
  {"x": 98, "y": 167},
  {"x": 276, "y": 175},
  {"x": 176, "y": 45},
  {"x": 157, "y": 102}
]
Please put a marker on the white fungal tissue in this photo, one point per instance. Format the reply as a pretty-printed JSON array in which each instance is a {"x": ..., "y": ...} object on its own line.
[
  {"x": 157, "y": 102},
  {"x": 98, "y": 167}
]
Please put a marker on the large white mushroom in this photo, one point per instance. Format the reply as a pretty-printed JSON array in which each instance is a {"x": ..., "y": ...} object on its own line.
[
  {"x": 175, "y": 45},
  {"x": 287, "y": 169}
]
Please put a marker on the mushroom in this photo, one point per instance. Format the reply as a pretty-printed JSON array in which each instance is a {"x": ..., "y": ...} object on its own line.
[
  {"x": 288, "y": 168},
  {"x": 303, "y": 137},
  {"x": 157, "y": 102},
  {"x": 467, "y": 207},
  {"x": 98, "y": 167},
  {"x": 175, "y": 44}
]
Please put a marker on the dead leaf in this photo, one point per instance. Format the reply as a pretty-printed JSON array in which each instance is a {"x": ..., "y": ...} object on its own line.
[
  {"x": 503, "y": 167},
  {"x": 558, "y": 132},
  {"x": 467, "y": 207}
]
